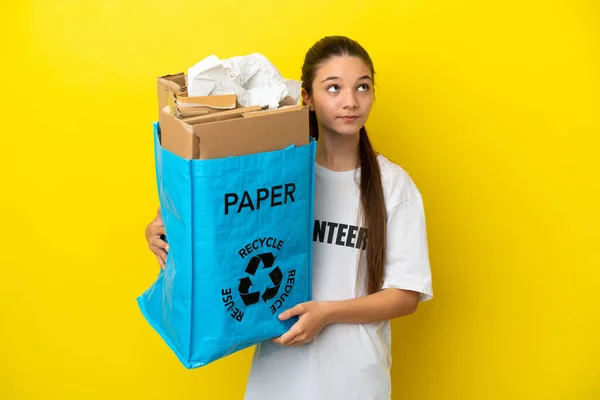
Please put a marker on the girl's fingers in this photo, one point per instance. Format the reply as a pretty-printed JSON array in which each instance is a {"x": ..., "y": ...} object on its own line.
[
  {"x": 161, "y": 244},
  {"x": 298, "y": 340},
  {"x": 160, "y": 262},
  {"x": 159, "y": 252}
]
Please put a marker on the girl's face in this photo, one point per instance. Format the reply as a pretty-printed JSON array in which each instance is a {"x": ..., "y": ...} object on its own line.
[{"x": 342, "y": 95}]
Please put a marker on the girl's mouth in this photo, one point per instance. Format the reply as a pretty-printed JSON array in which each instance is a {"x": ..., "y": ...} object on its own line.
[{"x": 349, "y": 118}]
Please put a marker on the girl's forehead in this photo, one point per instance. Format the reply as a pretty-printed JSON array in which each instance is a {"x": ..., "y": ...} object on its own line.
[{"x": 343, "y": 67}]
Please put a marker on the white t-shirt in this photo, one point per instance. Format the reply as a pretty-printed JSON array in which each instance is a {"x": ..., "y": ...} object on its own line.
[{"x": 348, "y": 361}]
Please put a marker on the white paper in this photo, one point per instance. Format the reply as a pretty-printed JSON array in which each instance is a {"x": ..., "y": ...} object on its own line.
[{"x": 254, "y": 80}]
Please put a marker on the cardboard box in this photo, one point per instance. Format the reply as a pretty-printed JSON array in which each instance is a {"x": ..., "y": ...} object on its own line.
[
  {"x": 212, "y": 127},
  {"x": 242, "y": 131}
]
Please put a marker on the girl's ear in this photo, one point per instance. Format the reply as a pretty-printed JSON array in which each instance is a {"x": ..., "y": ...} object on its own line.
[{"x": 306, "y": 100}]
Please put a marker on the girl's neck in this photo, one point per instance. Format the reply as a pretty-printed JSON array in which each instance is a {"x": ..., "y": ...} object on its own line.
[{"x": 337, "y": 152}]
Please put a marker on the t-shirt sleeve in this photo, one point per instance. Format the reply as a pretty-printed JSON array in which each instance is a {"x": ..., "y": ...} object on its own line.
[{"x": 407, "y": 255}]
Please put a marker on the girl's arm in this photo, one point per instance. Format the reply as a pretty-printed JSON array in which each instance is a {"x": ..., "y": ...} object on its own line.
[
  {"x": 384, "y": 305},
  {"x": 315, "y": 315}
]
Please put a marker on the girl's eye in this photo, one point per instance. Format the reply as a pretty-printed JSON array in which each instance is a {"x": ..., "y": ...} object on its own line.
[
  {"x": 333, "y": 88},
  {"x": 363, "y": 88}
]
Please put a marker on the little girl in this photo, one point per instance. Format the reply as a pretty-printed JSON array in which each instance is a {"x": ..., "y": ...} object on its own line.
[{"x": 370, "y": 253}]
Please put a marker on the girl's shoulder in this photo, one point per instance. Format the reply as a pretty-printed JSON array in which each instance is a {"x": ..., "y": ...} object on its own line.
[{"x": 398, "y": 185}]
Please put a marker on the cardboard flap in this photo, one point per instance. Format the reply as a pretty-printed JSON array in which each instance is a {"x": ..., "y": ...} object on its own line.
[
  {"x": 188, "y": 112},
  {"x": 226, "y": 101},
  {"x": 174, "y": 83},
  {"x": 167, "y": 87},
  {"x": 252, "y": 114},
  {"x": 177, "y": 136},
  {"x": 220, "y": 116}
]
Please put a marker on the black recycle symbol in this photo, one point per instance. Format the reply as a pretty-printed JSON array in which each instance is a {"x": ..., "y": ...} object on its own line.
[{"x": 267, "y": 260}]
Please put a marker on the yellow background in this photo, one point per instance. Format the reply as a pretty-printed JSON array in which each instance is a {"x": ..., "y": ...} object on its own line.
[{"x": 492, "y": 107}]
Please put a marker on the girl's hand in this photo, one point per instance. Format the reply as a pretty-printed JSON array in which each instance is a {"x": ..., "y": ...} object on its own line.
[
  {"x": 154, "y": 230},
  {"x": 314, "y": 316}
]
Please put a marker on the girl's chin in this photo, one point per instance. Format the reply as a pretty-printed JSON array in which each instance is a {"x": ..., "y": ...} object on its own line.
[{"x": 345, "y": 130}]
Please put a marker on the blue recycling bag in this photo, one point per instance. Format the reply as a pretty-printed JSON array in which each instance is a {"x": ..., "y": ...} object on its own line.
[{"x": 239, "y": 231}]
